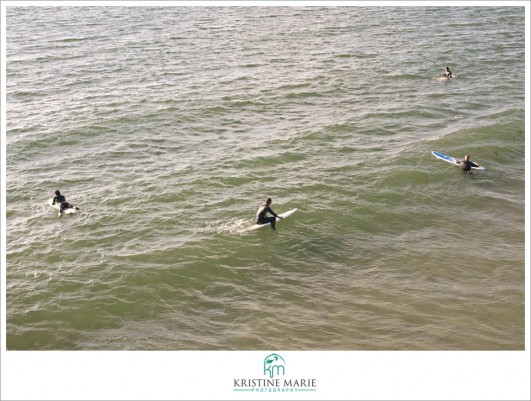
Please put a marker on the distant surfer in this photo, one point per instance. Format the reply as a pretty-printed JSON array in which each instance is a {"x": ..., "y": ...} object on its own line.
[
  {"x": 447, "y": 72},
  {"x": 467, "y": 165},
  {"x": 61, "y": 200},
  {"x": 261, "y": 215}
]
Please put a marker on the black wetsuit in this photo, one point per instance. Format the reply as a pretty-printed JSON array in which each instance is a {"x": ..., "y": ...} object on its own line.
[
  {"x": 62, "y": 200},
  {"x": 261, "y": 216},
  {"x": 467, "y": 166}
]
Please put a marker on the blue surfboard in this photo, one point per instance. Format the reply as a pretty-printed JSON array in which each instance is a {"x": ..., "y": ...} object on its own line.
[{"x": 455, "y": 161}]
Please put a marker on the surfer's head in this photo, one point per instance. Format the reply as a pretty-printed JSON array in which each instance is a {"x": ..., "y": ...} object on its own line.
[
  {"x": 268, "y": 201},
  {"x": 467, "y": 158},
  {"x": 57, "y": 193}
]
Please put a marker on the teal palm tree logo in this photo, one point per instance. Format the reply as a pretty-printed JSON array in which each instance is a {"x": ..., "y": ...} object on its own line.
[{"x": 274, "y": 364}]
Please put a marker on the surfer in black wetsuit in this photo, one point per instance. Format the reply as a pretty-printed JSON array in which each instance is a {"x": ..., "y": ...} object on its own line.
[
  {"x": 447, "y": 72},
  {"x": 261, "y": 215},
  {"x": 58, "y": 198},
  {"x": 467, "y": 165}
]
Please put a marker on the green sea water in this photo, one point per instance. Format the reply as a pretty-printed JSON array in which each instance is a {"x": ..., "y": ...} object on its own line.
[{"x": 169, "y": 126}]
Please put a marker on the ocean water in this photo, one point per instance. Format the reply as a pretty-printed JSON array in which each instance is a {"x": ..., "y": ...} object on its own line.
[{"x": 169, "y": 126}]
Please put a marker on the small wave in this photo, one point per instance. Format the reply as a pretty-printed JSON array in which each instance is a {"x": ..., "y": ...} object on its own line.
[
  {"x": 70, "y": 40},
  {"x": 26, "y": 94},
  {"x": 237, "y": 227},
  {"x": 405, "y": 76},
  {"x": 301, "y": 95},
  {"x": 294, "y": 86}
]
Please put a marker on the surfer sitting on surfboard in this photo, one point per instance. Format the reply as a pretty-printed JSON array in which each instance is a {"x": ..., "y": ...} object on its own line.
[
  {"x": 261, "y": 215},
  {"x": 447, "y": 72},
  {"x": 467, "y": 165},
  {"x": 58, "y": 198}
]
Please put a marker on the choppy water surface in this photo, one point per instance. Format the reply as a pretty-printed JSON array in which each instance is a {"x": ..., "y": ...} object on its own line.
[{"x": 169, "y": 126}]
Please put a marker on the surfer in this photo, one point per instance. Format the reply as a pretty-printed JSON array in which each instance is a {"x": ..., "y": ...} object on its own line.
[
  {"x": 261, "y": 215},
  {"x": 58, "y": 198},
  {"x": 467, "y": 165},
  {"x": 447, "y": 72}
]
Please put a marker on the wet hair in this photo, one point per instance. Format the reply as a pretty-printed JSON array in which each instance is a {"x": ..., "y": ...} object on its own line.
[
  {"x": 268, "y": 200},
  {"x": 57, "y": 192}
]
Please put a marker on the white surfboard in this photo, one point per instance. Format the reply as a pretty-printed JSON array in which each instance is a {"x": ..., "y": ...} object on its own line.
[
  {"x": 57, "y": 207},
  {"x": 283, "y": 215}
]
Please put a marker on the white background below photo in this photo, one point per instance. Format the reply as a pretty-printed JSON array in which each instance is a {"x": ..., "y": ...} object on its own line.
[{"x": 196, "y": 375}]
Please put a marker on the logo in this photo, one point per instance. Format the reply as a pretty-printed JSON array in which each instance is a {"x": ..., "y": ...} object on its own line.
[
  {"x": 274, "y": 364},
  {"x": 275, "y": 379}
]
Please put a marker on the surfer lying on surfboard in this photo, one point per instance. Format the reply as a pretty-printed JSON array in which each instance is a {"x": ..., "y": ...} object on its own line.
[
  {"x": 261, "y": 215},
  {"x": 61, "y": 201},
  {"x": 58, "y": 198}
]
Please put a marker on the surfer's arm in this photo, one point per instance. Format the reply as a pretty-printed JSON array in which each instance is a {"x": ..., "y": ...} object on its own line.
[{"x": 273, "y": 213}]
